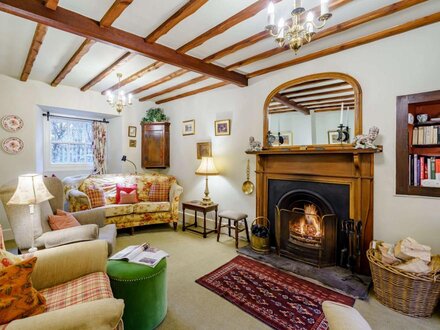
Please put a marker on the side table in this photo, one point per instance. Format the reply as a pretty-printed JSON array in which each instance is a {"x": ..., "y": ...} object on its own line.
[{"x": 197, "y": 206}]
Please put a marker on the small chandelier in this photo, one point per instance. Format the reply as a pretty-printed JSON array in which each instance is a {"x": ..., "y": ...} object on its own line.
[
  {"x": 296, "y": 34},
  {"x": 119, "y": 102}
]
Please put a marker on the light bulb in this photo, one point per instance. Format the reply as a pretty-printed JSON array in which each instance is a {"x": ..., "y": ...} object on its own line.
[
  {"x": 130, "y": 99},
  {"x": 281, "y": 28},
  {"x": 324, "y": 7},
  {"x": 271, "y": 14},
  {"x": 310, "y": 16}
]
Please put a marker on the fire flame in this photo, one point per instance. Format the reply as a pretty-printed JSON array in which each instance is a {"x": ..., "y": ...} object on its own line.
[{"x": 309, "y": 224}]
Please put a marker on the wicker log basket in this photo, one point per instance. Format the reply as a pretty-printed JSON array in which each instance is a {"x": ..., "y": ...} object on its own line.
[{"x": 409, "y": 293}]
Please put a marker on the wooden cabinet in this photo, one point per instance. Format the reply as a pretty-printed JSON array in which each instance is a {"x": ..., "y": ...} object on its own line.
[
  {"x": 406, "y": 148},
  {"x": 155, "y": 145}
]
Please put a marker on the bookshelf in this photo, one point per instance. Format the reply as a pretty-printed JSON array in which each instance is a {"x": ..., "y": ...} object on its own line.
[{"x": 418, "y": 138}]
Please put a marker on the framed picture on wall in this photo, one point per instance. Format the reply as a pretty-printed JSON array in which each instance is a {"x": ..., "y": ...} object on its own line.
[
  {"x": 204, "y": 150},
  {"x": 189, "y": 127},
  {"x": 222, "y": 127},
  {"x": 333, "y": 137},
  {"x": 132, "y": 143},
  {"x": 132, "y": 131}
]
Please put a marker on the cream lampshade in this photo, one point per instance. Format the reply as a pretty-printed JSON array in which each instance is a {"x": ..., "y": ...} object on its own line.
[
  {"x": 207, "y": 167},
  {"x": 30, "y": 191}
]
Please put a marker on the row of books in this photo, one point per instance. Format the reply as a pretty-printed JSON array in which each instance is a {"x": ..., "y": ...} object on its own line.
[
  {"x": 426, "y": 135},
  {"x": 422, "y": 169}
]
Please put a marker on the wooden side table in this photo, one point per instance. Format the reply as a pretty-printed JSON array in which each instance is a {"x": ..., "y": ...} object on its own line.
[{"x": 197, "y": 206}]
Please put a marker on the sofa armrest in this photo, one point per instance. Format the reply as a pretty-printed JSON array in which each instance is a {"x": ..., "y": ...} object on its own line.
[
  {"x": 175, "y": 192},
  {"x": 78, "y": 201},
  {"x": 98, "y": 314},
  {"x": 65, "y": 236},
  {"x": 93, "y": 216},
  {"x": 68, "y": 262}
]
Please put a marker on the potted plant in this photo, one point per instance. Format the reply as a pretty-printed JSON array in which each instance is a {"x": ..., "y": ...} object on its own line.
[{"x": 154, "y": 115}]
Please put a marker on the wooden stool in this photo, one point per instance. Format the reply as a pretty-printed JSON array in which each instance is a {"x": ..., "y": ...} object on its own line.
[{"x": 236, "y": 217}]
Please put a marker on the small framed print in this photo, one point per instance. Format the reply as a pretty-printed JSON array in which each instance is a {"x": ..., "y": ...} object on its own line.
[
  {"x": 333, "y": 137},
  {"x": 287, "y": 139},
  {"x": 189, "y": 127},
  {"x": 132, "y": 143},
  {"x": 204, "y": 150},
  {"x": 132, "y": 131},
  {"x": 222, "y": 127}
]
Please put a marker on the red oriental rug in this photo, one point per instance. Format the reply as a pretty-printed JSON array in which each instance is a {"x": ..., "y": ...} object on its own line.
[{"x": 280, "y": 300}]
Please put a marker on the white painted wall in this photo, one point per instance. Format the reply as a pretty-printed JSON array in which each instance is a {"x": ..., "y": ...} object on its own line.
[
  {"x": 404, "y": 64},
  {"x": 23, "y": 99}
]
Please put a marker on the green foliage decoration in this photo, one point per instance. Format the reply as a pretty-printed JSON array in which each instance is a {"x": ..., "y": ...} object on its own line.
[{"x": 154, "y": 115}]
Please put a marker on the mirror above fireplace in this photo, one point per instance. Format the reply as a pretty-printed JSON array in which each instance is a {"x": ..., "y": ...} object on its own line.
[{"x": 310, "y": 111}]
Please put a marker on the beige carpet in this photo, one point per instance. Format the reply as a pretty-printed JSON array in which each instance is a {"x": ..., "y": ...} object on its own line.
[{"x": 190, "y": 306}]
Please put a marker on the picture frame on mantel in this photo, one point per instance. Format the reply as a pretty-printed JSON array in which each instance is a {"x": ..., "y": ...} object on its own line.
[{"x": 188, "y": 127}]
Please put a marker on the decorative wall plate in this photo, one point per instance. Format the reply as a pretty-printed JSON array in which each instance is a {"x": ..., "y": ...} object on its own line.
[
  {"x": 12, "y": 123},
  {"x": 12, "y": 145}
]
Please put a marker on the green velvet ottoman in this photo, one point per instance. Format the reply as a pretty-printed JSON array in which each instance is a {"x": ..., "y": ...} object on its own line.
[{"x": 144, "y": 290}]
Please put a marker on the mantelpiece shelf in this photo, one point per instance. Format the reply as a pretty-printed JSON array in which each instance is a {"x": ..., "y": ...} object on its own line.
[{"x": 315, "y": 150}]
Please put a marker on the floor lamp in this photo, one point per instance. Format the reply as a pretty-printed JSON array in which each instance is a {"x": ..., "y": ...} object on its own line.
[
  {"x": 207, "y": 168},
  {"x": 30, "y": 191}
]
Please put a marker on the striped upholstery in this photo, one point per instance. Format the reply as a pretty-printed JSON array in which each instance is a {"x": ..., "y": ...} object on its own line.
[{"x": 91, "y": 287}]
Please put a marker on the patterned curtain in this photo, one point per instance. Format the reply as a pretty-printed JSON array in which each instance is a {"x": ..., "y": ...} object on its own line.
[{"x": 99, "y": 147}]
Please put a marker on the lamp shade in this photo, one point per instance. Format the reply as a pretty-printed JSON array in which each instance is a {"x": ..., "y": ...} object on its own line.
[
  {"x": 30, "y": 190},
  {"x": 207, "y": 167}
]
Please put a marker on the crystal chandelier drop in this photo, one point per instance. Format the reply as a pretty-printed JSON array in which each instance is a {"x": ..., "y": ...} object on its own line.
[
  {"x": 295, "y": 34},
  {"x": 119, "y": 101}
]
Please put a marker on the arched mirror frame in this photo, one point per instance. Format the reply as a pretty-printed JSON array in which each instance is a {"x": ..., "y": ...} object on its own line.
[{"x": 325, "y": 75}]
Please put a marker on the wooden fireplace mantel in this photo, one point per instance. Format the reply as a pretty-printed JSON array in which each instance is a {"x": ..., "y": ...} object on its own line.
[{"x": 335, "y": 165}]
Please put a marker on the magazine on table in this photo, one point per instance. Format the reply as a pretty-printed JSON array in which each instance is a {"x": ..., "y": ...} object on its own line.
[{"x": 143, "y": 254}]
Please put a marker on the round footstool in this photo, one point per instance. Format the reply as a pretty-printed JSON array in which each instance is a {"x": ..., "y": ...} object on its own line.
[{"x": 144, "y": 290}]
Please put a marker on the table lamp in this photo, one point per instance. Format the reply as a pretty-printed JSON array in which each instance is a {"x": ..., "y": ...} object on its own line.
[
  {"x": 30, "y": 191},
  {"x": 207, "y": 168}
]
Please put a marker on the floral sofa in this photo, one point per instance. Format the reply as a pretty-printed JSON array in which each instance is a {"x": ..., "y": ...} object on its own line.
[{"x": 144, "y": 212}]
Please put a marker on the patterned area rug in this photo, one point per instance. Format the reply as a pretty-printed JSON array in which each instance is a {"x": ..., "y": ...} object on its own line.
[{"x": 278, "y": 299}]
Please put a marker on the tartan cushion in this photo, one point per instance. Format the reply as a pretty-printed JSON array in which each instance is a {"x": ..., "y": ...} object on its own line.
[
  {"x": 159, "y": 192},
  {"x": 97, "y": 197},
  {"x": 87, "y": 288}
]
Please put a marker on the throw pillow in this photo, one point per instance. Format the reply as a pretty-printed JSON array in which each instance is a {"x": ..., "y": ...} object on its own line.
[
  {"x": 159, "y": 192},
  {"x": 62, "y": 220},
  {"x": 128, "y": 198},
  {"x": 18, "y": 299},
  {"x": 96, "y": 196},
  {"x": 8, "y": 259},
  {"x": 127, "y": 189}
]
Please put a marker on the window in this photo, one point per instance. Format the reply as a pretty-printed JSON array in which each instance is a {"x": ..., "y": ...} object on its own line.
[{"x": 68, "y": 144}]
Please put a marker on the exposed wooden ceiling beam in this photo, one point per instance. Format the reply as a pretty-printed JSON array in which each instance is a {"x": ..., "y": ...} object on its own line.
[
  {"x": 341, "y": 27},
  {"x": 37, "y": 41},
  {"x": 196, "y": 91},
  {"x": 324, "y": 106},
  {"x": 173, "y": 88},
  {"x": 114, "y": 12},
  {"x": 241, "y": 16},
  {"x": 312, "y": 105},
  {"x": 162, "y": 80},
  {"x": 312, "y": 89},
  {"x": 423, "y": 21},
  {"x": 75, "y": 23},
  {"x": 74, "y": 60},
  {"x": 134, "y": 76},
  {"x": 339, "y": 98},
  {"x": 294, "y": 95},
  {"x": 51, "y": 4},
  {"x": 291, "y": 104},
  {"x": 187, "y": 10},
  {"x": 111, "y": 68},
  {"x": 328, "y": 109}
]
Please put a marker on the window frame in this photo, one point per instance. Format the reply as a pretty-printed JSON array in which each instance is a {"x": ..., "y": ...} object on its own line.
[{"x": 48, "y": 166}]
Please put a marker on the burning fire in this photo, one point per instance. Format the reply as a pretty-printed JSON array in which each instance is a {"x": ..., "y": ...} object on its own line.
[{"x": 308, "y": 225}]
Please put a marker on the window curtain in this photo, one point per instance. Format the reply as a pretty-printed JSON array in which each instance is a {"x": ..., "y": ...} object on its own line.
[{"x": 99, "y": 147}]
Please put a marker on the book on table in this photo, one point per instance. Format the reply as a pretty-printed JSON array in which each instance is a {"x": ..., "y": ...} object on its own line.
[{"x": 143, "y": 254}]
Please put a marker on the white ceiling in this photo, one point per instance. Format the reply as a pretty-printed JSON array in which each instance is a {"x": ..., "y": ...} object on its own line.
[{"x": 142, "y": 17}]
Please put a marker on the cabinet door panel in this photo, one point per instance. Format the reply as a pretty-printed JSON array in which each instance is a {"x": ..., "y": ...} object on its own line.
[{"x": 155, "y": 145}]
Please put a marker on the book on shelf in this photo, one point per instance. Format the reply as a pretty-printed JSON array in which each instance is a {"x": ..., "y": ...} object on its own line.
[
  {"x": 142, "y": 254},
  {"x": 424, "y": 171},
  {"x": 426, "y": 135}
]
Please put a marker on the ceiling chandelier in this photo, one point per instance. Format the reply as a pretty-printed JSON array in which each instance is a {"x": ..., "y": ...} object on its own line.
[
  {"x": 119, "y": 101},
  {"x": 294, "y": 33}
]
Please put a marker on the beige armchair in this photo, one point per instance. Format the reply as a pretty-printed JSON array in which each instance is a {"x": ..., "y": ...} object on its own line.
[
  {"x": 92, "y": 221},
  {"x": 60, "y": 267}
]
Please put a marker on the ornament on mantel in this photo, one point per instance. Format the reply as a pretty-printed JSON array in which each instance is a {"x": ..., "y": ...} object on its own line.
[
  {"x": 366, "y": 141},
  {"x": 254, "y": 145}
]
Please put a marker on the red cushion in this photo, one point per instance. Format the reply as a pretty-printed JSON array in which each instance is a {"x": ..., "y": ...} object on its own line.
[
  {"x": 62, "y": 220},
  {"x": 127, "y": 189}
]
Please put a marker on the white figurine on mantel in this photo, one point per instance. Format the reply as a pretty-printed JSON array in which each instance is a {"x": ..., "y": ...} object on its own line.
[
  {"x": 254, "y": 145},
  {"x": 365, "y": 141}
]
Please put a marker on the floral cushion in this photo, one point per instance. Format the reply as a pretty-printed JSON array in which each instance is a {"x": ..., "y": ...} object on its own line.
[
  {"x": 118, "y": 209},
  {"x": 87, "y": 288},
  {"x": 145, "y": 207}
]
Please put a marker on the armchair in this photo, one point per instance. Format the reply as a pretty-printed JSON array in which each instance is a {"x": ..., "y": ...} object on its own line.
[
  {"x": 57, "y": 271},
  {"x": 92, "y": 221}
]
